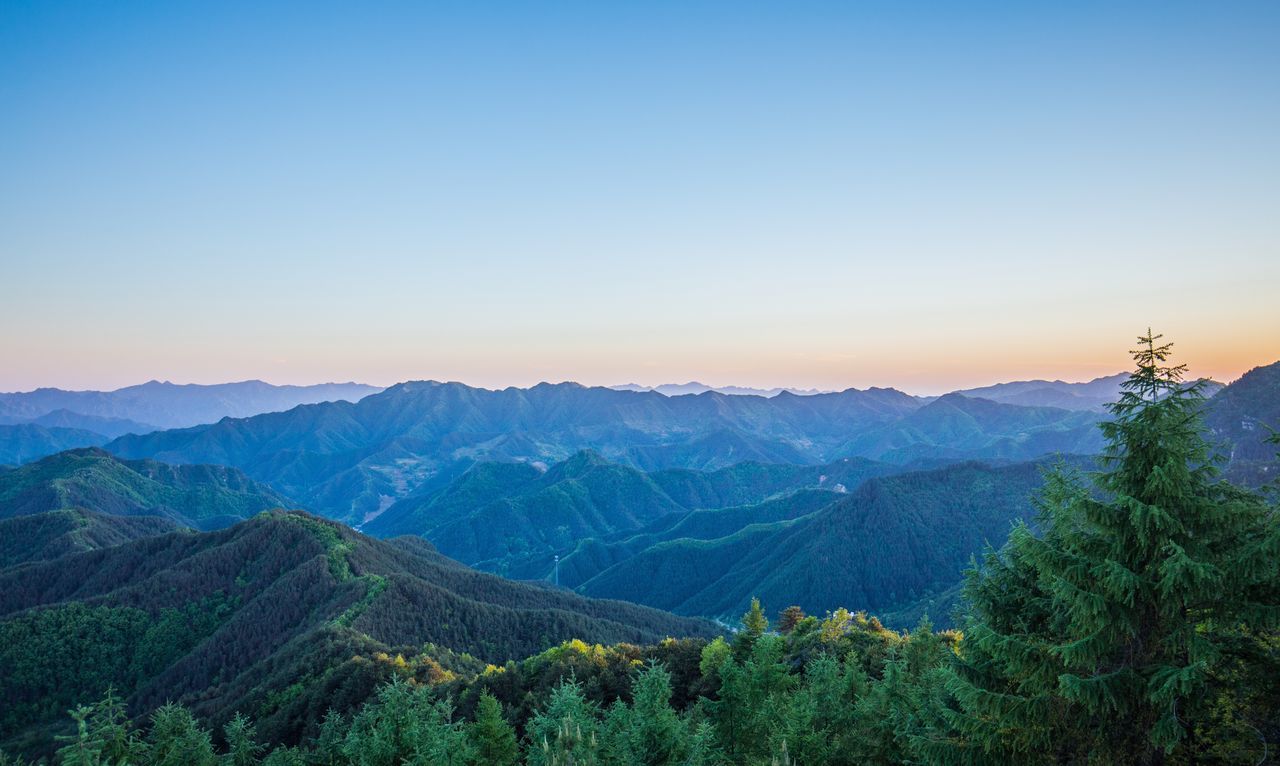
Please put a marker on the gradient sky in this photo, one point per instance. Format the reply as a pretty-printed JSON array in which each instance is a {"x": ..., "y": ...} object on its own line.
[{"x": 927, "y": 196}]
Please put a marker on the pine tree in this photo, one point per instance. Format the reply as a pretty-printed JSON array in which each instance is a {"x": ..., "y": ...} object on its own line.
[
  {"x": 1099, "y": 635},
  {"x": 493, "y": 741},
  {"x": 177, "y": 739},
  {"x": 754, "y": 625},
  {"x": 103, "y": 735},
  {"x": 657, "y": 736},
  {"x": 565, "y": 731},
  {"x": 242, "y": 749}
]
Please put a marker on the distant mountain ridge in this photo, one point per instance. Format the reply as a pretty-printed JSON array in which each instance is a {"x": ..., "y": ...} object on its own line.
[
  {"x": 171, "y": 405},
  {"x": 104, "y": 426},
  {"x": 1090, "y": 396},
  {"x": 197, "y": 496},
  {"x": 693, "y": 387},
  {"x": 25, "y": 442}
]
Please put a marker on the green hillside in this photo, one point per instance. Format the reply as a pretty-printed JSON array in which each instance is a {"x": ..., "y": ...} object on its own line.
[
  {"x": 512, "y": 518},
  {"x": 197, "y": 496},
  {"x": 883, "y": 547},
  {"x": 751, "y": 482},
  {"x": 1241, "y": 417},
  {"x": 594, "y": 555},
  {"x": 263, "y": 616},
  {"x": 497, "y": 514},
  {"x": 45, "y": 536}
]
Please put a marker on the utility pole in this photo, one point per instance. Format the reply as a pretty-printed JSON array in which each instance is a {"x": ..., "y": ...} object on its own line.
[{"x": 557, "y": 570}]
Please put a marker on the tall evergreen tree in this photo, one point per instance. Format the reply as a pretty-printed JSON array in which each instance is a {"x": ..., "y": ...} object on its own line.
[
  {"x": 1100, "y": 635},
  {"x": 754, "y": 625},
  {"x": 242, "y": 747},
  {"x": 178, "y": 740},
  {"x": 565, "y": 731},
  {"x": 493, "y": 741}
]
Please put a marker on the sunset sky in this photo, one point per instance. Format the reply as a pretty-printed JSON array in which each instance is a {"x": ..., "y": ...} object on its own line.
[{"x": 925, "y": 196}]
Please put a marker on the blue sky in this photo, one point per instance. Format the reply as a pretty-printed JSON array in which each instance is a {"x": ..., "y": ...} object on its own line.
[{"x": 809, "y": 194}]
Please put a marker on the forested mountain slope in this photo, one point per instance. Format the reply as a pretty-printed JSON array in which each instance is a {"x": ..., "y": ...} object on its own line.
[
  {"x": 883, "y": 547},
  {"x": 45, "y": 536},
  {"x": 512, "y": 517},
  {"x": 197, "y": 496},
  {"x": 1241, "y": 417},
  {"x": 583, "y": 496},
  {"x": 250, "y": 617}
]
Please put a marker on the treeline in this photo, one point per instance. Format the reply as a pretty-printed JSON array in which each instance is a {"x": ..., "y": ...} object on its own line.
[
  {"x": 836, "y": 690},
  {"x": 1137, "y": 623}
]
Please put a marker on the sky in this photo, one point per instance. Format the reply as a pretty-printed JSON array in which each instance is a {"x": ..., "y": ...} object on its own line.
[{"x": 920, "y": 195}]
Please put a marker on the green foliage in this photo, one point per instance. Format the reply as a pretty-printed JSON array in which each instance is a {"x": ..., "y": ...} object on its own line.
[
  {"x": 104, "y": 735},
  {"x": 52, "y": 534},
  {"x": 861, "y": 696},
  {"x": 57, "y": 656},
  {"x": 493, "y": 740},
  {"x": 565, "y": 730},
  {"x": 406, "y": 724},
  {"x": 1106, "y": 634},
  {"x": 242, "y": 747},
  {"x": 754, "y": 624},
  {"x": 177, "y": 740},
  {"x": 283, "y": 617}
]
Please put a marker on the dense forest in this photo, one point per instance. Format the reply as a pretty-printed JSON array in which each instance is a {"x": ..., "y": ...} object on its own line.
[
  {"x": 195, "y": 496},
  {"x": 1135, "y": 619},
  {"x": 284, "y": 616}
]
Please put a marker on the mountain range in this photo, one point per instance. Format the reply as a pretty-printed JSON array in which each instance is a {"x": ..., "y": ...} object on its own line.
[
  {"x": 353, "y": 461},
  {"x": 158, "y": 565},
  {"x": 694, "y": 387},
  {"x": 1241, "y": 418},
  {"x": 1090, "y": 396}
]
